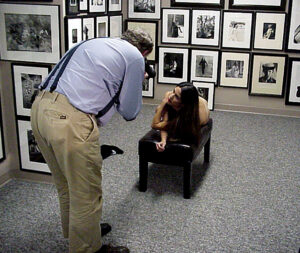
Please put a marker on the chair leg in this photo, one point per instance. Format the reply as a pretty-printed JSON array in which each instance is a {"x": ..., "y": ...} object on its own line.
[
  {"x": 187, "y": 181},
  {"x": 207, "y": 151},
  {"x": 143, "y": 174}
]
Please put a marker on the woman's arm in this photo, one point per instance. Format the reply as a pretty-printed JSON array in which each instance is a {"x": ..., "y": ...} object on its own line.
[
  {"x": 203, "y": 111},
  {"x": 160, "y": 119},
  {"x": 160, "y": 146}
]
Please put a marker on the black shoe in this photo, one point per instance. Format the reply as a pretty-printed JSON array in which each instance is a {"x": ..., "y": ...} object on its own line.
[
  {"x": 105, "y": 228},
  {"x": 111, "y": 249}
]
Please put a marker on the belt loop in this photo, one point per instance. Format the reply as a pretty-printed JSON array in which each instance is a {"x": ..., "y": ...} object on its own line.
[
  {"x": 55, "y": 96},
  {"x": 43, "y": 92}
]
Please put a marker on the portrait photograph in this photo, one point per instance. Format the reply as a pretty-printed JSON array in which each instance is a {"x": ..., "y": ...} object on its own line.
[
  {"x": 2, "y": 149},
  {"x": 269, "y": 31},
  {"x": 97, "y": 6},
  {"x": 198, "y": 3},
  {"x": 206, "y": 91},
  {"x": 204, "y": 65},
  {"x": 88, "y": 28},
  {"x": 234, "y": 69},
  {"x": 205, "y": 27},
  {"x": 26, "y": 79},
  {"x": 148, "y": 86},
  {"x": 293, "y": 85},
  {"x": 114, "y": 5},
  {"x": 293, "y": 44},
  {"x": 102, "y": 26},
  {"x": 175, "y": 26},
  {"x": 29, "y": 33},
  {"x": 31, "y": 156},
  {"x": 278, "y": 5},
  {"x": 147, "y": 26},
  {"x": 237, "y": 30},
  {"x": 144, "y": 9},
  {"x": 73, "y": 30},
  {"x": 173, "y": 65},
  {"x": 115, "y": 26},
  {"x": 268, "y": 75}
]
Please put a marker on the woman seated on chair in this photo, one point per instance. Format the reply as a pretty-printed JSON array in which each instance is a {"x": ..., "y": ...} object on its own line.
[{"x": 180, "y": 115}]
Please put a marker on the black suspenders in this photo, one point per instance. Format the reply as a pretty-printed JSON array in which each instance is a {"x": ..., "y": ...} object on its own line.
[{"x": 64, "y": 61}]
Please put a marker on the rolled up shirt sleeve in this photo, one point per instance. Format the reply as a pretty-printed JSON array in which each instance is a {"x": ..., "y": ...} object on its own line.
[{"x": 131, "y": 94}]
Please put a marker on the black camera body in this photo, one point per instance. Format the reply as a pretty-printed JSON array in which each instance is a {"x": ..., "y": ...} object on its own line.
[{"x": 149, "y": 70}]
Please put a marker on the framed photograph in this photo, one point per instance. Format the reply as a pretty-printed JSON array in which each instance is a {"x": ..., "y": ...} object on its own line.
[
  {"x": 144, "y": 9},
  {"x": 198, "y": 3},
  {"x": 102, "y": 26},
  {"x": 175, "y": 26},
  {"x": 173, "y": 65},
  {"x": 293, "y": 40},
  {"x": 115, "y": 26},
  {"x": 83, "y": 6},
  {"x": 114, "y": 5},
  {"x": 206, "y": 27},
  {"x": 204, "y": 65},
  {"x": 29, "y": 33},
  {"x": 72, "y": 7},
  {"x": 30, "y": 155},
  {"x": 97, "y": 6},
  {"x": 148, "y": 86},
  {"x": 293, "y": 87},
  {"x": 278, "y": 5},
  {"x": 206, "y": 91},
  {"x": 268, "y": 75},
  {"x": 237, "y": 29},
  {"x": 73, "y": 31},
  {"x": 88, "y": 28},
  {"x": 235, "y": 69},
  {"x": 2, "y": 149},
  {"x": 27, "y": 79},
  {"x": 269, "y": 31},
  {"x": 151, "y": 28}
]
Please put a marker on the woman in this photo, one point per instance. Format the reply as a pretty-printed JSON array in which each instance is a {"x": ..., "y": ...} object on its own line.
[{"x": 180, "y": 115}]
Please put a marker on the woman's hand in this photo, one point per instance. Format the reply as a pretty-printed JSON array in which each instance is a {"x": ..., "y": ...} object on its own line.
[{"x": 160, "y": 146}]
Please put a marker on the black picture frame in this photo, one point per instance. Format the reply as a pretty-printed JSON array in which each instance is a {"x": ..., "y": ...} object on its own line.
[
  {"x": 94, "y": 9},
  {"x": 206, "y": 90},
  {"x": 293, "y": 28},
  {"x": 200, "y": 3},
  {"x": 292, "y": 96},
  {"x": 148, "y": 84},
  {"x": 2, "y": 147},
  {"x": 268, "y": 75},
  {"x": 262, "y": 6},
  {"x": 83, "y": 6},
  {"x": 150, "y": 26},
  {"x": 112, "y": 24},
  {"x": 141, "y": 10},
  {"x": 88, "y": 27},
  {"x": 114, "y": 8},
  {"x": 73, "y": 31},
  {"x": 72, "y": 7}
]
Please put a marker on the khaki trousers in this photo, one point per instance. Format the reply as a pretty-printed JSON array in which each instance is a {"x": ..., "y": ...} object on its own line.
[{"x": 69, "y": 142}]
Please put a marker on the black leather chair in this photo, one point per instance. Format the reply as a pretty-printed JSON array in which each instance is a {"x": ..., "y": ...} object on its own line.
[{"x": 175, "y": 153}]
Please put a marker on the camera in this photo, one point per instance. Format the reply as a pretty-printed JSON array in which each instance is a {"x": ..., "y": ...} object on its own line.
[{"x": 149, "y": 69}]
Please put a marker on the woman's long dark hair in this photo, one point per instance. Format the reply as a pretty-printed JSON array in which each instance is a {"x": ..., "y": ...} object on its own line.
[{"x": 185, "y": 123}]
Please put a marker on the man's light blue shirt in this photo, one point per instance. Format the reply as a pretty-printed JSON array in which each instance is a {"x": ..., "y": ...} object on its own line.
[{"x": 94, "y": 74}]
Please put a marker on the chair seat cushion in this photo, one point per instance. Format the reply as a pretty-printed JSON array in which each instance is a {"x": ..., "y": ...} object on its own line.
[{"x": 176, "y": 152}]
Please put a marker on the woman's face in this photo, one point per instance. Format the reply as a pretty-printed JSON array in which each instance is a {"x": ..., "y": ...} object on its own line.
[{"x": 174, "y": 98}]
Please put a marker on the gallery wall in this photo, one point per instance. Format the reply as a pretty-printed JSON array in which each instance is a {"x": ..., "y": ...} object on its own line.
[{"x": 15, "y": 120}]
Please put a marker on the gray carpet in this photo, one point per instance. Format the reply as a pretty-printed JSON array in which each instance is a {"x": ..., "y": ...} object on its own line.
[{"x": 246, "y": 200}]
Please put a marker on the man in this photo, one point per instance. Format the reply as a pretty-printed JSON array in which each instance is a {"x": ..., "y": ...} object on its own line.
[
  {"x": 268, "y": 71},
  {"x": 94, "y": 78}
]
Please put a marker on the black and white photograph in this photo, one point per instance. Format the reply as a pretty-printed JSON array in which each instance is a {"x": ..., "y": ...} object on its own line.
[
  {"x": 205, "y": 27},
  {"x": 31, "y": 157},
  {"x": 102, "y": 26},
  {"x": 72, "y": 7},
  {"x": 293, "y": 43},
  {"x": 204, "y": 65},
  {"x": 148, "y": 86},
  {"x": 73, "y": 30},
  {"x": 27, "y": 79},
  {"x": 83, "y": 5},
  {"x": 198, "y": 3},
  {"x": 151, "y": 28},
  {"x": 115, "y": 26},
  {"x": 98, "y": 6},
  {"x": 269, "y": 31},
  {"x": 206, "y": 91},
  {"x": 144, "y": 9},
  {"x": 234, "y": 69},
  {"x": 29, "y": 33},
  {"x": 293, "y": 85},
  {"x": 278, "y": 5},
  {"x": 88, "y": 28},
  {"x": 2, "y": 149},
  {"x": 237, "y": 30},
  {"x": 175, "y": 26},
  {"x": 173, "y": 65},
  {"x": 268, "y": 75},
  {"x": 114, "y": 5}
]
